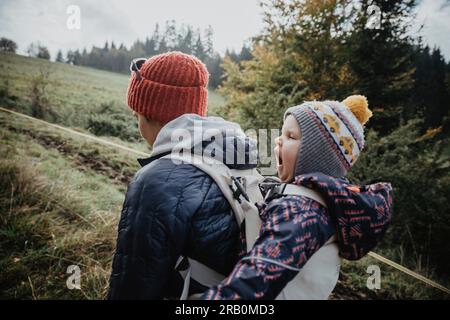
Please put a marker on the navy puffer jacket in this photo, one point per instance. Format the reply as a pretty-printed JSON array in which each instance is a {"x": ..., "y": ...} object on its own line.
[{"x": 176, "y": 209}]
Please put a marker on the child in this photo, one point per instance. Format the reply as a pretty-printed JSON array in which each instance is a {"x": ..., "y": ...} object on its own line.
[{"x": 320, "y": 141}]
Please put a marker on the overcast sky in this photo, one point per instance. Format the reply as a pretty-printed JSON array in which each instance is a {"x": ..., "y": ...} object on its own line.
[{"x": 233, "y": 21}]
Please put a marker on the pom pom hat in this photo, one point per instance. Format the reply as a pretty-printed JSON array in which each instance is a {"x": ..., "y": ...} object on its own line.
[{"x": 332, "y": 134}]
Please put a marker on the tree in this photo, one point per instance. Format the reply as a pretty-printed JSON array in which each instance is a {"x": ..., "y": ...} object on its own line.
[
  {"x": 323, "y": 50},
  {"x": 417, "y": 166},
  {"x": 209, "y": 46},
  {"x": 43, "y": 53},
  {"x": 382, "y": 60},
  {"x": 170, "y": 35},
  {"x": 156, "y": 38},
  {"x": 431, "y": 94},
  {"x": 7, "y": 45},
  {"x": 162, "y": 47},
  {"x": 298, "y": 57},
  {"x": 150, "y": 46},
  {"x": 37, "y": 50},
  {"x": 245, "y": 54},
  {"x": 76, "y": 58},
  {"x": 184, "y": 38},
  {"x": 213, "y": 64},
  {"x": 185, "y": 41},
  {"x": 70, "y": 57},
  {"x": 32, "y": 49},
  {"x": 199, "y": 49},
  {"x": 255, "y": 97},
  {"x": 59, "y": 56}
]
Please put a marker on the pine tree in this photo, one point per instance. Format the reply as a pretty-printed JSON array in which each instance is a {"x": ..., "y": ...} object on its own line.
[
  {"x": 185, "y": 41},
  {"x": 70, "y": 57},
  {"x": 209, "y": 46},
  {"x": 76, "y": 57},
  {"x": 150, "y": 46},
  {"x": 170, "y": 35},
  {"x": 117, "y": 59},
  {"x": 381, "y": 59},
  {"x": 43, "y": 53},
  {"x": 431, "y": 95},
  {"x": 162, "y": 47},
  {"x": 199, "y": 49},
  {"x": 245, "y": 54},
  {"x": 59, "y": 56}
]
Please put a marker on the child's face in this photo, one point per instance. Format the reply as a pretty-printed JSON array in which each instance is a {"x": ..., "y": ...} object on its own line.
[{"x": 287, "y": 148}]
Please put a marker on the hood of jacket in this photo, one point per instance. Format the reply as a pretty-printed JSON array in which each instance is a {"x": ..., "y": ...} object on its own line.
[
  {"x": 206, "y": 136},
  {"x": 361, "y": 214}
]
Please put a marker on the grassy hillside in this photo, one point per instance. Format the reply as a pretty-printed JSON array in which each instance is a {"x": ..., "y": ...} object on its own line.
[
  {"x": 59, "y": 199},
  {"x": 61, "y": 195},
  {"x": 71, "y": 95}
]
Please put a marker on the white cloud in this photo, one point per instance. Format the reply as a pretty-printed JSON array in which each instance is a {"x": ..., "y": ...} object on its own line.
[
  {"x": 435, "y": 16},
  {"x": 24, "y": 21},
  {"x": 233, "y": 21}
]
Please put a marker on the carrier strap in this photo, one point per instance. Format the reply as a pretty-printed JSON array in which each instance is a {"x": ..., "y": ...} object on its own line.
[{"x": 293, "y": 189}]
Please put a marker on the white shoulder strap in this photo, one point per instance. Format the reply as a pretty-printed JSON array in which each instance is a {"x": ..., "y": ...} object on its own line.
[
  {"x": 318, "y": 277},
  {"x": 219, "y": 172},
  {"x": 292, "y": 189},
  {"x": 244, "y": 209}
]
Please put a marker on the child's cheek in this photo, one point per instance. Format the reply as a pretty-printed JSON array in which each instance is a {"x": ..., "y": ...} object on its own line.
[{"x": 293, "y": 152}]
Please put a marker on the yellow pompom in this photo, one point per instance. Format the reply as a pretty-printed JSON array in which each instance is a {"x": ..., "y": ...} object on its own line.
[{"x": 359, "y": 106}]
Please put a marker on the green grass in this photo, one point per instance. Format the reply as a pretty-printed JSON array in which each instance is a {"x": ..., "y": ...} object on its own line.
[
  {"x": 72, "y": 91},
  {"x": 53, "y": 214},
  {"x": 75, "y": 93},
  {"x": 393, "y": 285},
  {"x": 114, "y": 163}
]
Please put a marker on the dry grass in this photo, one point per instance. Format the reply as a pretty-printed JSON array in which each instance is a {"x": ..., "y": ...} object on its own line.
[{"x": 53, "y": 215}]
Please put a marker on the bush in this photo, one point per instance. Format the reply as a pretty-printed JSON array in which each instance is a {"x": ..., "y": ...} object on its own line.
[
  {"x": 7, "y": 45},
  {"x": 40, "y": 105},
  {"x": 259, "y": 91},
  {"x": 6, "y": 98},
  {"x": 106, "y": 123},
  {"x": 418, "y": 168}
]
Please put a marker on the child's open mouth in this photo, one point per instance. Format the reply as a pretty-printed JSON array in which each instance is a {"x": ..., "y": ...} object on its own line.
[{"x": 280, "y": 160}]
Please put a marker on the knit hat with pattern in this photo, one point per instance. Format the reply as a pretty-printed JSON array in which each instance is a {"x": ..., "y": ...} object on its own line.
[{"x": 332, "y": 134}]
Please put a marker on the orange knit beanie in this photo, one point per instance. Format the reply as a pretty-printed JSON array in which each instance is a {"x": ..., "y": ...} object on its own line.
[{"x": 169, "y": 85}]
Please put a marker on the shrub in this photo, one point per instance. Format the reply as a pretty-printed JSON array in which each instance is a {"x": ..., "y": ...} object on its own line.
[{"x": 418, "y": 168}]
